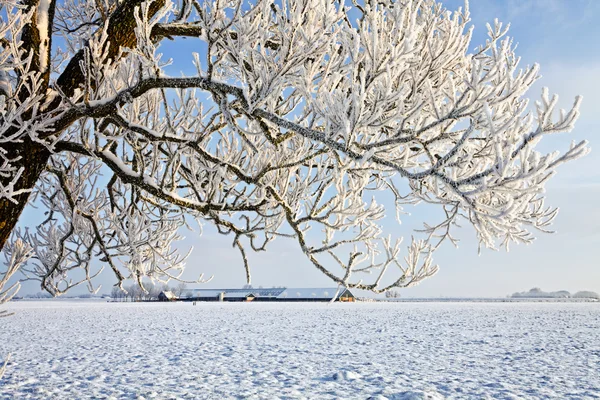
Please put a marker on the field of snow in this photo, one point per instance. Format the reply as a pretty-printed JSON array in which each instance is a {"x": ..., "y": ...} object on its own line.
[{"x": 85, "y": 350}]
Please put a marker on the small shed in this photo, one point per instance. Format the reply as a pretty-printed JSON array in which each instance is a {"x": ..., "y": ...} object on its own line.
[
  {"x": 346, "y": 296},
  {"x": 167, "y": 296}
]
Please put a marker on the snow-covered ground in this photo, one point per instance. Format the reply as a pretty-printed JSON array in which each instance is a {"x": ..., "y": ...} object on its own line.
[{"x": 70, "y": 350}]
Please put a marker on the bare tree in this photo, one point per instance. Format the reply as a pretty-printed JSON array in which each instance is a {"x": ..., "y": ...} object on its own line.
[
  {"x": 122, "y": 296},
  {"x": 134, "y": 292},
  {"x": 179, "y": 289},
  {"x": 298, "y": 112},
  {"x": 115, "y": 293},
  {"x": 149, "y": 290},
  {"x": 154, "y": 291}
]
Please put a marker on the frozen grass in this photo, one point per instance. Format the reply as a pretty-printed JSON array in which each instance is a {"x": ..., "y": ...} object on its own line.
[{"x": 69, "y": 350}]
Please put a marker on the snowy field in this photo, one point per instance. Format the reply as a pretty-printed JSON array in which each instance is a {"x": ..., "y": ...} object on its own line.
[{"x": 85, "y": 350}]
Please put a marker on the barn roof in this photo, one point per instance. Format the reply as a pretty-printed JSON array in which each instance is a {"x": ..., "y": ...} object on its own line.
[
  {"x": 280, "y": 293},
  {"x": 311, "y": 293},
  {"x": 229, "y": 293},
  {"x": 274, "y": 293},
  {"x": 203, "y": 292},
  {"x": 168, "y": 294}
]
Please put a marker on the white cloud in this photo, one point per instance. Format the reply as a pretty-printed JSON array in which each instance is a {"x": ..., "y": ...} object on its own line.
[{"x": 563, "y": 12}]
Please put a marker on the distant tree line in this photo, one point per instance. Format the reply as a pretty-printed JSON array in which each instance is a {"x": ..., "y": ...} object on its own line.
[
  {"x": 46, "y": 295},
  {"x": 134, "y": 292},
  {"x": 539, "y": 293}
]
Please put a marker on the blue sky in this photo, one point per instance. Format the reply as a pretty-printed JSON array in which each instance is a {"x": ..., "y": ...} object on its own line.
[{"x": 562, "y": 36}]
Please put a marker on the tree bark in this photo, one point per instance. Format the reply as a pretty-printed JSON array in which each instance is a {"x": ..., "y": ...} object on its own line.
[{"x": 34, "y": 156}]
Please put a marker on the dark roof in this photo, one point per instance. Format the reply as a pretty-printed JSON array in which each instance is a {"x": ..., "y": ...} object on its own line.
[{"x": 279, "y": 293}]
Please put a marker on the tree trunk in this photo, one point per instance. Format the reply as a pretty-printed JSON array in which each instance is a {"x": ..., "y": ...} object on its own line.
[{"x": 34, "y": 158}]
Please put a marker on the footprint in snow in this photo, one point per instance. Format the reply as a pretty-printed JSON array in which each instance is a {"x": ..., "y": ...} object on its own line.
[{"x": 345, "y": 376}]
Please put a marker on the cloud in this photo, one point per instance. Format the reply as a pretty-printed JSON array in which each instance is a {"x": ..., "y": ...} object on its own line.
[{"x": 563, "y": 12}]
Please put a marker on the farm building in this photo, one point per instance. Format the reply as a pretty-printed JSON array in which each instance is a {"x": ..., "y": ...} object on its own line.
[
  {"x": 316, "y": 294},
  {"x": 274, "y": 294},
  {"x": 167, "y": 296}
]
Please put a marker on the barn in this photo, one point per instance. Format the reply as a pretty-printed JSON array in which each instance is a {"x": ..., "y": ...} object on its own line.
[
  {"x": 167, "y": 296},
  {"x": 273, "y": 294},
  {"x": 233, "y": 294},
  {"x": 316, "y": 294}
]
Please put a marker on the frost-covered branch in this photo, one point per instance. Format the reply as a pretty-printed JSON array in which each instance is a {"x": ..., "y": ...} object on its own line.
[{"x": 16, "y": 255}]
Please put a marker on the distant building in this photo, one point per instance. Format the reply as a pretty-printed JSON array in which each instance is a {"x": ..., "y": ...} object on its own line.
[
  {"x": 167, "y": 296},
  {"x": 274, "y": 294}
]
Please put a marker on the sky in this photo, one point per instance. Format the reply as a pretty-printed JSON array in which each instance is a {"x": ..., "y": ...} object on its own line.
[{"x": 562, "y": 36}]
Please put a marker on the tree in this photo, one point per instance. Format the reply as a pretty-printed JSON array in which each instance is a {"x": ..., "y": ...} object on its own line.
[
  {"x": 154, "y": 291},
  {"x": 149, "y": 289},
  {"x": 134, "y": 292},
  {"x": 296, "y": 113},
  {"x": 586, "y": 294},
  {"x": 116, "y": 293},
  {"x": 179, "y": 289}
]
